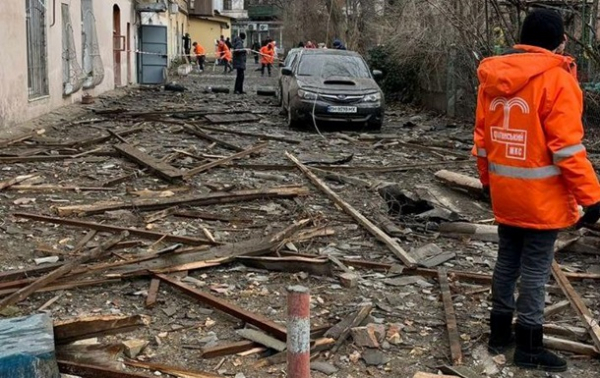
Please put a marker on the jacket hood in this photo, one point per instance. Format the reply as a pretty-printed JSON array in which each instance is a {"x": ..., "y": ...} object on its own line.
[{"x": 507, "y": 74}]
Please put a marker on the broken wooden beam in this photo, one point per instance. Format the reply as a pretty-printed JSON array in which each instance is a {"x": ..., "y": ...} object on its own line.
[
  {"x": 15, "y": 181},
  {"x": 461, "y": 182},
  {"x": 67, "y": 331},
  {"x": 358, "y": 318},
  {"x": 163, "y": 170},
  {"x": 577, "y": 303},
  {"x": 105, "y": 138},
  {"x": 556, "y": 308},
  {"x": 20, "y": 138},
  {"x": 205, "y": 167},
  {"x": 315, "y": 267},
  {"x": 106, "y": 228},
  {"x": 256, "y": 320},
  {"x": 201, "y": 134},
  {"x": 347, "y": 168},
  {"x": 64, "y": 286},
  {"x": 227, "y": 349},
  {"x": 262, "y": 339},
  {"x": 97, "y": 253},
  {"x": 152, "y": 293},
  {"x": 451, "y": 324},
  {"x": 391, "y": 243},
  {"x": 93, "y": 371},
  {"x": 257, "y": 135},
  {"x": 570, "y": 346},
  {"x": 52, "y": 188},
  {"x": 470, "y": 230},
  {"x": 170, "y": 370},
  {"x": 317, "y": 346},
  {"x": 191, "y": 200}
]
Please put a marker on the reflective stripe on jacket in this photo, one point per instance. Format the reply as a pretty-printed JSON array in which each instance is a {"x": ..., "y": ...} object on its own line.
[{"x": 528, "y": 139}]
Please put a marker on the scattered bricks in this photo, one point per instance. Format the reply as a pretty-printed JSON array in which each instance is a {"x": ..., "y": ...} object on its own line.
[
  {"x": 134, "y": 347},
  {"x": 349, "y": 280},
  {"x": 393, "y": 334},
  {"x": 369, "y": 336}
]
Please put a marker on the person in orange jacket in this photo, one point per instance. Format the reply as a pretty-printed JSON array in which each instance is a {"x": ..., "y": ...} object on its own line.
[
  {"x": 225, "y": 55},
  {"x": 267, "y": 53},
  {"x": 533, "y": 165},
  {"x": 200, "y": 53}
]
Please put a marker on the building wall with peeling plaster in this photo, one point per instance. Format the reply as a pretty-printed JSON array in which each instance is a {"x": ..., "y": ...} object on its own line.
[{"x": 15, "y": 104}]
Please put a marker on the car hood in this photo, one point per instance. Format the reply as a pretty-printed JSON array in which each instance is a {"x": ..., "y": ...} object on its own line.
[{"x": 338, "y": 84}]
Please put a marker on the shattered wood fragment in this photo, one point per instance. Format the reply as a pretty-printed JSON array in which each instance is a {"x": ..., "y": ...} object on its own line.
[
  {"x": 51, "y": 188},
  {"x": 388, "y": 226},
  {"x": 107, "y": 228},
  {"x": 190, "y": 200},
  {"x": 84, "y": 240},
  {"x": 451, "y": 324},
  {"x": 92, "y": 371},
  {"x": 374, "y": 230},
  {"x": 163, "y": 170},
  {"x": 356, "y": 169},
  {"x": 570, "y": 346},
  {"x": 367, "y": 336},
  {"x": 459, "y": 371},
  {"x": 67, "y": 331},
  {"x": 437, "y": 259},
  {"x": 201, "y": 134},
  {"x": 315, "y": 267},
  {"x": 49, "y": 158},
  {"x": 105, "y": 138},
  {"x": 257, "y": 135},
  {"x": 171, "y": 370},
  {"x": 470, "y": 230},
  {"x": 120, "y": 138},
  {"x": 15, "y": 181},
  {"x": 349, "y": 280},
  {"x": 231, "y": 118},
  {"x": 64, "y": 286},
  {"x": 256, "y": 320},
  {"x": 461, "y": 182},
  {"x": 151, "y": 218},
  {"x": 95, "y": 254},
  {"x": 203, "y": 168},
  {"x": 357, "y": 320},
  {"x": 11, "y": 275},
  {"x": 556, "y": 308},
  {"x": 152, "y": 293},
  {"x": 262, "y": 339},
  {"x": 317, "y": 346},
  {"x": 420, "y": 374},
  {"x": 228, "y": 349},
  {"x": 577, "y": 303},
  {"x": 566, "y": 331},
  {"x": 20, "y": 138}
]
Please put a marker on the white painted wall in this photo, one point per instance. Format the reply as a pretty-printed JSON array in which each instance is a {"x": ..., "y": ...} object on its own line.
[{"x": 15, "y": 105}]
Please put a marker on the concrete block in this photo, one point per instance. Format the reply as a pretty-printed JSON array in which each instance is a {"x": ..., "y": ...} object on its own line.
[{"x": 27, "y": 348}]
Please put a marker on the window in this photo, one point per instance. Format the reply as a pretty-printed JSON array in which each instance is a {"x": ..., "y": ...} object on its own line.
[
  {"x": 333, "y": 65},
  {"x": 37, "y": 60},
  {"x": 227, "y": 5}
]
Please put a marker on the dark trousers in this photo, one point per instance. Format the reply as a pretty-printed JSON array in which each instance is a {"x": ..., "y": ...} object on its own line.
[
  {"x": 262, "y": 68},
  {"x": 256, "y": 59},
  {"x": 239, "y": 81},
  {"x": 200, "y": 60},
  {"x": 527, "y": 254},
  {"x": 227, "y": 65}
]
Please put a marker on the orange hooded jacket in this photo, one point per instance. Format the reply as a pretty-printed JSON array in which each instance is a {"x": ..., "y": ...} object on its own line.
[
  {"x": 223, "y": 51},
  {"x": 528, "y": 139},
  {"x": 267, "y": 54}
]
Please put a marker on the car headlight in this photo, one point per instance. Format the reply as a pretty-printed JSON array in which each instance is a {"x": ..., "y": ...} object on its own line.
[
  {"x": 307, "y": 95},
  {"x": 372, "y": 97}
]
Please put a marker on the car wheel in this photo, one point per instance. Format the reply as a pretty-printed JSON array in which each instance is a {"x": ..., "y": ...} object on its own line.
[{"x": 280, "y": 97}]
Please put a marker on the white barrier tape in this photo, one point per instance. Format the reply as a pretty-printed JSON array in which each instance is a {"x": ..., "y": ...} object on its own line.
[{"x": 215, "y": 54}]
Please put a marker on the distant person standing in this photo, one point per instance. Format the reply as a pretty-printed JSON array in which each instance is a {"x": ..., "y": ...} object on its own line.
[
  {"x": 228, "y": 43},
  {"x": 239, "y": 62},
  {"x": 187, "y": 46},
  {"x": 310, "y": 45},
  {"x": 225, "y": 55},
  {"x": 267, "y": 53},
  {"x": 200, "y": 55},
  {"x": 338, "y": 45},
  {"x": 256, "y": 51}
]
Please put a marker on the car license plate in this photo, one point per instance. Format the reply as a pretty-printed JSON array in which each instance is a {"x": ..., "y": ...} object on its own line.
[{"x": 342, "y": 109}]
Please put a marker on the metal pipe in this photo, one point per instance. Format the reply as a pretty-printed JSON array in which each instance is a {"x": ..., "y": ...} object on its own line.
[
  {"x": 298, "y": 332},
  {"x": 53, "y": 13}
]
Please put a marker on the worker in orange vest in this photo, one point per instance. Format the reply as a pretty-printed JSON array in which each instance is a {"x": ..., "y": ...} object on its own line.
[
  {"x": 225, "y": 55},
  {"x": 531, "y": 160},
  {"x": 200, "y": 53},
  {"x": 267, "y": 53}
]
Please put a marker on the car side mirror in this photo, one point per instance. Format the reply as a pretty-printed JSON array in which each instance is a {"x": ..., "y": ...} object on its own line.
[
  {"x": 281, "y": 65},
  {"x": 377, "y": 74},
  {"x": 286, "y": 71}
]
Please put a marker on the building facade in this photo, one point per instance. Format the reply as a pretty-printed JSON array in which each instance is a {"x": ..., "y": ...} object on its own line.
[{"x": 60, "y": 50}]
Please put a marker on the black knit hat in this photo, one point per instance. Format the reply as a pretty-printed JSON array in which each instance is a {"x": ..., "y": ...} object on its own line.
[{"x": 543, "y": 28}]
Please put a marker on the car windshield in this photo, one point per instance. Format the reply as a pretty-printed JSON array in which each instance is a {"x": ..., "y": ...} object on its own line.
[
  {"x": 333, "y": 65},
  {"x": 289, "y": 58}
]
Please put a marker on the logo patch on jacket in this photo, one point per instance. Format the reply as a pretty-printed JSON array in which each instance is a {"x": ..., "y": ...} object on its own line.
[{"x": 514, "y": 140}]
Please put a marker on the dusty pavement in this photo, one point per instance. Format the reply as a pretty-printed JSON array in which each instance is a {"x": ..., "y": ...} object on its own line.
[{"x": 75, "y": 164}]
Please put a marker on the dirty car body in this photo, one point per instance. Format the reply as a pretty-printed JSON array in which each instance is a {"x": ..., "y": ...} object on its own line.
[{"x": 331, "y": 86}]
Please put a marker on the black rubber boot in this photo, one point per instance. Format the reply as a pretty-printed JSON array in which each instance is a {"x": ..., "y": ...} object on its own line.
[
  {"x": 530, "y": 352},
  {"x": 501, "y": 336}
]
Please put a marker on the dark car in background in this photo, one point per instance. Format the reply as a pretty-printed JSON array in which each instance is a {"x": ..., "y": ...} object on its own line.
[{"x": 331, "y": 86}]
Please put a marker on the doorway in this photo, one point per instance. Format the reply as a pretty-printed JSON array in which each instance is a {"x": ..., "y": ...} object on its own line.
[
  {"x": 128, "y": 46},
  {"x": 117, "y": 41}
]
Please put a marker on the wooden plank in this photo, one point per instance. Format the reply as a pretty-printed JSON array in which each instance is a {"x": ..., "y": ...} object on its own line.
[
  {"x": 231, "y": 118},
  {"x": 461, "y": 182},
  {"x": 58, "y": 188},
  {"x": 205, "y": 167},
  {"x": 566, "y": 331},
  {"x": 91, "y": 371},
  {"x": 201, "y": 134},
  {"x": 317, "y": 346},
  {"x": 359, "y": 317},
  {"x": 347, "y": 168},
  {"x": 171, "y": 370},
  {"x": 65, "y": 286},
  {"x": 14, "y": 181},
  {"x": 470, "y": 230},
  {"x": 107, "y": 228},
  {"x": 570, "y": 346},
  {"x": 391, "y": 243},
  {"x": 163, "y": 170},
  {"x": 67, "y": 331},
  {"x": 315, "y": 267},
  {"x": 148, "y": 204},
  {"x": 451, "y": 324},
  {"x": 97, "y": 253},
  {"x": 210, "y": 216},
  {"x": 262, "y": 339},
  {"x": 152, "y": 293},
  {"x": 256, "y": 320},
  {"x": 556, "y": 308},
  {"x": 577, "y": 303},
  {"x": 228, "y": 349},
  {"x": 105, "y": 138},
  {"x": 257, "y": 135}
]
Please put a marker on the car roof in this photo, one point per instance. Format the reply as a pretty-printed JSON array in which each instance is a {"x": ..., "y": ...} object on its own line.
[{"x": 330, "y": 52}]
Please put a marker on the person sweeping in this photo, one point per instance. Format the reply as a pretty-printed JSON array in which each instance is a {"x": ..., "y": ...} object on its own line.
[{"x": 532, "y": 163}]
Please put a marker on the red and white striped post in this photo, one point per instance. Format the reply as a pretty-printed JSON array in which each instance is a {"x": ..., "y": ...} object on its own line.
[{"x": 298, "y": 332}]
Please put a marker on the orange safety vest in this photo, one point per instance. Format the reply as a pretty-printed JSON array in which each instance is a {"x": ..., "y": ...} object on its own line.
[
  {"x": 199, "y": 50},
  {"x": 267, "y": 54},
  {"x": 528, "y": 139},
  {"x": 224, "y": 52}
]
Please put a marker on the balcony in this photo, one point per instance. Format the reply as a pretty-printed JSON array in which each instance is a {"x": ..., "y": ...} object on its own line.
[{"x": 263, "y": 12}]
